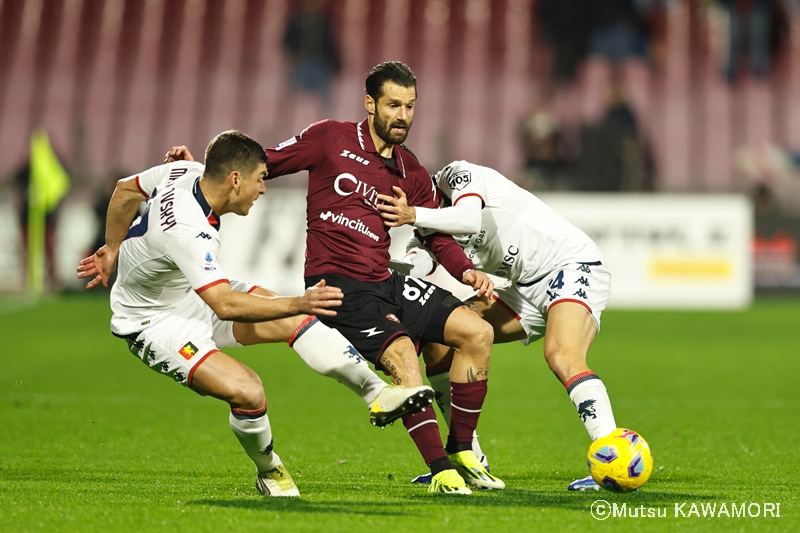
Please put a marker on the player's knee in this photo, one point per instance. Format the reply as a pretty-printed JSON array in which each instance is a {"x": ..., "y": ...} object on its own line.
[
  {"x": 483, "y": 334},
  {"x": 563, "y": 356},
  {"x": 553, "y": 350},
  {"x": 249, "y": 393},
  {"x": 476, "y": 337}
]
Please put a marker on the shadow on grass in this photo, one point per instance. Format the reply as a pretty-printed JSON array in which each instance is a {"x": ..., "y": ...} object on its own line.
[
  {"x": 423, "y": 503},
  {"x": 303, "y": 506}
]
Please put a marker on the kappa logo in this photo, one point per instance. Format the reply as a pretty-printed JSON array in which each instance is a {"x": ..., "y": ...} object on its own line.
[
  {"x": 203, "y": 235},
  {"x": 459, "y": 180}
]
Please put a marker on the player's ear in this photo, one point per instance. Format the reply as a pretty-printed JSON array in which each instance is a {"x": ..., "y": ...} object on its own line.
[
  {"x": 235, "y": 179},
  {"x": 369, "y": 104}
]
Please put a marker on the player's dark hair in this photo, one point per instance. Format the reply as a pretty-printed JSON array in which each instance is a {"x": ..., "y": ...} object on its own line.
[
  {"x": 233, "y": 150},
  {"x": 393, "y": 71}
]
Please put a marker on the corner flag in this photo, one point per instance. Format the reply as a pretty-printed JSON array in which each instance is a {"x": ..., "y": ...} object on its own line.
[{"x": 49, "y": 182}]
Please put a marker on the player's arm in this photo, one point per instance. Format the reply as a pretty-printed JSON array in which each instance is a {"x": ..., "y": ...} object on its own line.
[
  {"x": 452, "y": 258},
  {"x": 243, "y": 307},
  {"x": 122, "y": 210},
  {"x": 301, "y": 152},
  {"x": 461, "y": 219},
  {"x": 420, "y": 260}
]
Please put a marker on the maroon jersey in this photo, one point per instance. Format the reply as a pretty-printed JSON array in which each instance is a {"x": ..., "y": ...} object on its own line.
[{"x": 345, "y": 233}]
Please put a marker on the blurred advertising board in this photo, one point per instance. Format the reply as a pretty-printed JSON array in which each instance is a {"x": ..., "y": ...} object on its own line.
[
  {"x": 664, "y": 251},
  {"x": 669, "y": 250}
]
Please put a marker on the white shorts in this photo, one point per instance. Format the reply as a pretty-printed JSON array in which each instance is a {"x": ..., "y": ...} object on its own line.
[
  {"x": 588, "y": 284},
  {"x": 176, "y": 342}
]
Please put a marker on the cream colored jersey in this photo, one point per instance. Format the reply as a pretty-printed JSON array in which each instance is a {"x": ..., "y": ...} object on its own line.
[
  {"x": 520, "y": 238},
  {"x": 170, "y": 252}
]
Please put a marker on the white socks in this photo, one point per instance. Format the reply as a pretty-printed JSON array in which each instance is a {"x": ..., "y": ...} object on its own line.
[
  {"x": 255, "y": 435},
  {"x": 327, "y": 352},
  {"x": 589, "y": 395}
]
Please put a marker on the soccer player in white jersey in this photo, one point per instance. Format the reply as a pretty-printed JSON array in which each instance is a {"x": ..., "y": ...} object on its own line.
[
  {"x": 558, "y": 284},
  {"x": 175, "y": 306}
]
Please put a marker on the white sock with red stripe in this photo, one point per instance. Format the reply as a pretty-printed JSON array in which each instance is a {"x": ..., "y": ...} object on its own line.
[
  {"x": 254, "y": 432},
  {"x": 328, "y": 353},
  {"x": 590, "y": 398}
]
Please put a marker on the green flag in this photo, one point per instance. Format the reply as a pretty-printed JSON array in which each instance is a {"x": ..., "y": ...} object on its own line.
[{"x": 49, "y": 182}]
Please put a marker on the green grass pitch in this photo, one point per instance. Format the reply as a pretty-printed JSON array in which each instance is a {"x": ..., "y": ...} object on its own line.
[{"x": 94, "y": 441}]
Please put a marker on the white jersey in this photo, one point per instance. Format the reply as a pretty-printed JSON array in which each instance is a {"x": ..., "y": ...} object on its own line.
[
  {"x": 170, "y": 252},
  {"x": 520, "y": 238}
]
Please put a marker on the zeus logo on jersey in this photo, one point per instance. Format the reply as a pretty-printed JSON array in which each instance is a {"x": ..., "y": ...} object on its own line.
[
  {"x": 350, "y": 155},
  {"x": 459, "y": 180},
  {"x": 356, "y": 225}
]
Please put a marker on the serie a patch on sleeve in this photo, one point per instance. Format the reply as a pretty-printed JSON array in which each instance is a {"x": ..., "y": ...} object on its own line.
[
  {"x": 285, "y": 143},
  {"x": 209, "y": 263}
]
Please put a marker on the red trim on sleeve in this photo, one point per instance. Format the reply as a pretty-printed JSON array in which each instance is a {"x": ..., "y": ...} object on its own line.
[
  {"x": 570, "y": 300},
  {"x": 483, "y": 202},
  {"x": 200, "y": 362},
  {"x": 506, "y": 307},
  {"x": 136, "y": 179},
  {"x": 253, "y": 288},
  {"x": 208, "y": 286}
]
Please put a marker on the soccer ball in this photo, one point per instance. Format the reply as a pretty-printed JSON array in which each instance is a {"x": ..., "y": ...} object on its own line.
[{"x": 621, "y": 461}]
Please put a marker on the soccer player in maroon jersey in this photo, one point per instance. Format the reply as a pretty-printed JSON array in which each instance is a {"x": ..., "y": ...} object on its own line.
[{"x": 388, "y": 316}]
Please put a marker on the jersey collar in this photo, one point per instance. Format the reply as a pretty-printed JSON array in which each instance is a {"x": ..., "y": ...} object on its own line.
[
  {"x": 365, "y": 141},
  {"x": 211, "y": 216}
]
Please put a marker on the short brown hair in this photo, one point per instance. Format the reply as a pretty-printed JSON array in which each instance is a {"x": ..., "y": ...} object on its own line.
[{"x": 233, "y": 150}]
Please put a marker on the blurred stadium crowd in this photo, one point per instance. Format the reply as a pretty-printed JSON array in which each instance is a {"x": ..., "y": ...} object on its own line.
[{"x": 611, "y": 95}]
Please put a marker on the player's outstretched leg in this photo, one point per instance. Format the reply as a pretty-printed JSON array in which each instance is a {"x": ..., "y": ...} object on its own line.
[
  {"x": 569, "y": 334},
  {"x": 400, "y": 360},
  {"x": 471, "y": 339},
  {"x": 330, "y": 354},
  {"x": 439, "y": 378},
  {"x": 225, "y": 378}
]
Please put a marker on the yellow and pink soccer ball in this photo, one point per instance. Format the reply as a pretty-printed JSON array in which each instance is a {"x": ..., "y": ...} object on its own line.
[{"x": 621, "y": 461}]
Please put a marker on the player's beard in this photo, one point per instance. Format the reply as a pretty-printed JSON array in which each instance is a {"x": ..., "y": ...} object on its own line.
[{"x": 384, "y": 130}]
